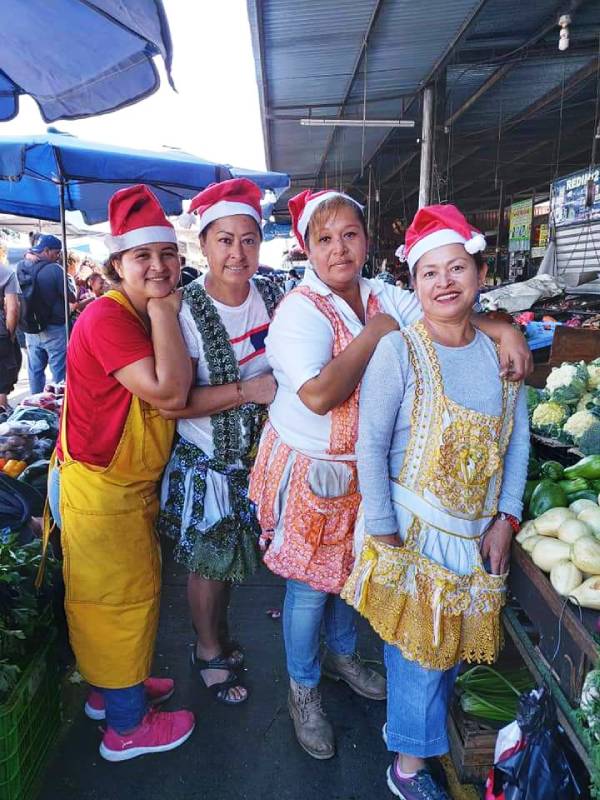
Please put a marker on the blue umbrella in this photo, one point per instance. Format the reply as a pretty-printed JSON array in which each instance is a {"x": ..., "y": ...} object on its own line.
[
  {"x": 79, "y": 58},
  {"x": 36, "y": 172},
  {"x": 44, "y": 176}
]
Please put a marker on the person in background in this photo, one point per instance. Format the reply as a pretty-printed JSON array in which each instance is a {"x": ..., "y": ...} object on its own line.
[
  {"x": 442, "y": 462},
  {"x": 225, "y": 317},
  {"x": 126, "y": 358},
  {"x": 292, "y": 280},
  {"x": 304, "y": 481},
  {"x": 96, "y": 285},
  {"x": 77, "y": 285},
  {"x": 188, "y": 273},
  {"x": 10, "y": 352},
  {"x": 47, "y": 338}
]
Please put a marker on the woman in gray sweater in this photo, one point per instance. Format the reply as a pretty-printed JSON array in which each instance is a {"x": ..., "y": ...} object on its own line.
[{"x": 442, "y": 458}]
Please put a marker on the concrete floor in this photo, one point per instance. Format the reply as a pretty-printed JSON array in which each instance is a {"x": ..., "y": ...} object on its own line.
[{"x": 240, "y": 753}]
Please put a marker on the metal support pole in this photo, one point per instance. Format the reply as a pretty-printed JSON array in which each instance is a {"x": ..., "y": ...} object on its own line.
[
  {"x": 426, "y": 147},
  {"x": 63, "y": 227},
  {"x": 499, "y": 231}
]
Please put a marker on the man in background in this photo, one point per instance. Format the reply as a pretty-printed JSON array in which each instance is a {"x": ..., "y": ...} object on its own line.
[
  {"x": 43, "y": 317},
  {"x": 10, "y": 352}
]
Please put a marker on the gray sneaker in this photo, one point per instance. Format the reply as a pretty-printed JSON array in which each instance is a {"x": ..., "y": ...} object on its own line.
[{"x": 421, "y": 786}]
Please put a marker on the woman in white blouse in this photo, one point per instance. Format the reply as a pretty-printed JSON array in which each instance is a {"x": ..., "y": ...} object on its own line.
[{"x": 304, "y": 481}]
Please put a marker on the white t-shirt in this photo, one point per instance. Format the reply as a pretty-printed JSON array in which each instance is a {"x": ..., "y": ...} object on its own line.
[
  {"x": 247, "y": 326},
  {"x": 300, "y": 344}
]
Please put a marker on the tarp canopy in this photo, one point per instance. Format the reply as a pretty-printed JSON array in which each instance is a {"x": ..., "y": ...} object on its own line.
[
  {"x": 79, "y": 58},
  {"x": 32, "y": 169}
]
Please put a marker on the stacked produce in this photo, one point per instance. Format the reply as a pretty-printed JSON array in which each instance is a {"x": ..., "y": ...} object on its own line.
[
  {"x": 563, "y": 536},
  {"x": 568, "y": 408}
]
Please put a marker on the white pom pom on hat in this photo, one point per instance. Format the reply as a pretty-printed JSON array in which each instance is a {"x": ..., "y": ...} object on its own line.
[{"x": 439, "y": 225}]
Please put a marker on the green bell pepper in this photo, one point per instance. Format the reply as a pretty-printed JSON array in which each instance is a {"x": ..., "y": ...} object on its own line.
[
  {"x": 588, "y": 467},
  {"x": 575, "y": 485},
  {"x": 546, "y": 495},
  {"x": 552, "y": 470}
]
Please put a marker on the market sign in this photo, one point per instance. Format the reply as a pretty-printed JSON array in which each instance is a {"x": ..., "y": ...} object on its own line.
[
  {"x": 576, "y": 198},
  {"x": 519, "y": 236}
]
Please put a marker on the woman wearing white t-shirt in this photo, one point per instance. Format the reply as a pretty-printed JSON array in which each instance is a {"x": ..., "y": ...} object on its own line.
[
  {"x": 304, "y": 481},
  {"x": 224, "y": 318}
]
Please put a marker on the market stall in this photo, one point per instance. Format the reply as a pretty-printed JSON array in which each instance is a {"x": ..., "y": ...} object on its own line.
[
  {"x": 29, "y": 681},
  {"x": 552, "y": 616}
]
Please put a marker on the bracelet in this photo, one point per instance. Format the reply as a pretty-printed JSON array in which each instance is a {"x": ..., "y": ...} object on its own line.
[
  {"x": 240, "y": 391},
  {"x": 512, "y": 521}
]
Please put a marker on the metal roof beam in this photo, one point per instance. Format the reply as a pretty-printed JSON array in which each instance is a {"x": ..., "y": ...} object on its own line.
[
  {"x": 506, "y": 68},
  {"x": 437, "y": 67},
  {"x": 353, "y": 75},
  {"x": 534, "y": 148}
]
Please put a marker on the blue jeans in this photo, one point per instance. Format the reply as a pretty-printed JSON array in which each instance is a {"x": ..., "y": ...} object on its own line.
[
  {"x": 304, "y": 610},
  {"x": 125, "y": 708},
  {"x": 417, "y": 706},
  {"x": 48, "y": 347},
  {"x": 54, "y": 495}
]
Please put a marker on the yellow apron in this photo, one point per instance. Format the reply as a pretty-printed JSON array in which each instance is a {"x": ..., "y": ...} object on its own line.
[{"x": 111, "y": 552}]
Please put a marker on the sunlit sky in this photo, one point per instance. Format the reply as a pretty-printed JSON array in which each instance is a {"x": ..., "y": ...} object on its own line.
[{"x": 214, "y": 113}]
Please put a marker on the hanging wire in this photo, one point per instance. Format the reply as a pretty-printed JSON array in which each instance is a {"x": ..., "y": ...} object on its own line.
[{"x": 499, "y": 139}]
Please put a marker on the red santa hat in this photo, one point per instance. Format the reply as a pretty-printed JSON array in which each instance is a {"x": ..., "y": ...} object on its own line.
[
  {"x": 136, "y": 218},
  {"x": 225, "y": 199},
  {"x": 304, "y": 205},
  {"x": 436, "y": 226}
]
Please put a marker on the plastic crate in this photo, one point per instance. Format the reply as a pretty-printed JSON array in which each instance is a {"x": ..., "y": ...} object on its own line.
[{"x": 29, "y": 721}]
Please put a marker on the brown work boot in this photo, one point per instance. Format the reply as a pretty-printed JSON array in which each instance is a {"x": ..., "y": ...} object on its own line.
[
  {"x": 360, "y": 678},
  {"x": 313, "y": 730}
]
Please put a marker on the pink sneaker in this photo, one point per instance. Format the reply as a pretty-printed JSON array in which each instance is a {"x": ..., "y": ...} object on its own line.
[
  {"x": 158, "y": 690},
  {"x": 158, "y": 732}
]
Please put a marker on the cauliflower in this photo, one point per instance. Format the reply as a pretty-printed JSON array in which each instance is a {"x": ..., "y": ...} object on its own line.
[
  {"x": 578, "y": 424},
  {"x": 588, "y": 397},
  {"x": 567, "y": 383},
  {"x": 593, "y": 371},
  {"x": 548, "y": 418}
]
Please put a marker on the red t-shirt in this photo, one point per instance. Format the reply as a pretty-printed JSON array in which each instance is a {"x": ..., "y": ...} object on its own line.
[{"x": 106, "y": 338}]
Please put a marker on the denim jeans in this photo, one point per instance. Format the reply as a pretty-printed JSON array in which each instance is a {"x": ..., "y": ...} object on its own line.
[
  {"x": 54, "y": 495},
  {"x": 125, "y": 708},
  {"x": 48, "y": 347},
  {"x": 304, "y": 610},
  {"x": 417, "y": 706}
]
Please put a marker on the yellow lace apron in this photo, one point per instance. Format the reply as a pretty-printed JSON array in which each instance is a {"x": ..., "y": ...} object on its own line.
[
  {"x": 432, "y": 597},
  {"x": 111, "y": 552}
]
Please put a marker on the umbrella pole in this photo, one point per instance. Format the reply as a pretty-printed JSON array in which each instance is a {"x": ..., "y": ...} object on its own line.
[{"x": 63, "y": 227}]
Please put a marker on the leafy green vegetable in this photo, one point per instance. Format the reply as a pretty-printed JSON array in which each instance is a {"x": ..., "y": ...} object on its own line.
[{"x": 488, "y": 693}]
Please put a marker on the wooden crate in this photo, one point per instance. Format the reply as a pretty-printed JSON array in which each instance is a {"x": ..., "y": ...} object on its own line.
[
  {"x": 575, "y": 648},
  {"x": 472, "y": 744}
]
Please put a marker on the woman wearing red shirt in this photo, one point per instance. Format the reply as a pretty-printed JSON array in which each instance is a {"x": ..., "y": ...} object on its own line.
[{"x": 126, "y": 358}]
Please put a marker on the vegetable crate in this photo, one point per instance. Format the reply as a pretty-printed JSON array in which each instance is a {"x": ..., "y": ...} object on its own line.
[
  {"x": 472, "y": 744},
  {"x": 29, "y": 720}
]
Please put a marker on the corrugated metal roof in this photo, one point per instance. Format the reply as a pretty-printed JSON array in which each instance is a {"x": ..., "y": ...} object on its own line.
[{"x": 307, "y": 54}]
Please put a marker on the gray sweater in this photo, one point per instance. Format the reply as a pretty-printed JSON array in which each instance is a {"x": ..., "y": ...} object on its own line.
[{"x": 471, "y": 378}]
